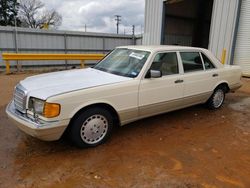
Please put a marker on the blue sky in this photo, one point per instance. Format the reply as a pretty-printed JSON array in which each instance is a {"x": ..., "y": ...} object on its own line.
[{"x": 98, "y": 15}]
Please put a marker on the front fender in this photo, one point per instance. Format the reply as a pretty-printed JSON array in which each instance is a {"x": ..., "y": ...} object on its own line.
[{"x": 89, "y": 103}]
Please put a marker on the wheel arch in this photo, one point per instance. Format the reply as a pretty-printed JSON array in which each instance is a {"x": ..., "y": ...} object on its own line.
[
  {"x": 223, "y": 84},
  {"x": 103, "y": 105}
]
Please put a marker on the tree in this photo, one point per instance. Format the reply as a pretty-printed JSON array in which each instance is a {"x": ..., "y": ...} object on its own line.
[
  {"x": 8, "y": 13},
  {"x": 34, "y": 15}
]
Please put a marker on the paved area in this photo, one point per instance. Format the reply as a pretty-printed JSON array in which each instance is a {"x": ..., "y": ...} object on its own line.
[{"x": 193, "y": 147}]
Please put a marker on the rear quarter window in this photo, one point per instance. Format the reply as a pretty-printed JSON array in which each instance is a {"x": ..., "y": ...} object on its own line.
[{"x": 207, "y": 63}]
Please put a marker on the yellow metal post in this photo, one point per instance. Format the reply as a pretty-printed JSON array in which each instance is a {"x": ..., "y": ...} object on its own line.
[
  {"x": 82, "y": 64},
  {"x": 223, "y": 56},
  {"x": 7, "y": 67}
]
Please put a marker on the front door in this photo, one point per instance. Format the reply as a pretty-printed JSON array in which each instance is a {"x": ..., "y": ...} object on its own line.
[{"x": 158, "y": 95}]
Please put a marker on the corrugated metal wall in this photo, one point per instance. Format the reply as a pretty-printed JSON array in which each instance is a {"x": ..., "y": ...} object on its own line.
[
  {"x": 183, "y": 40},
  {"x": 221, "y": 31},
  {"x": 138, "y": 40},
  {"x": 223, "y": 27},
  {"x": 42, "y": 41},
  {"x": 242, "y": 50},
  {"x": 153, "y": 22}
]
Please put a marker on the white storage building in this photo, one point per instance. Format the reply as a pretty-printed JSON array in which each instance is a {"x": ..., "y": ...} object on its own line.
[{"x": 212, "y": 24}]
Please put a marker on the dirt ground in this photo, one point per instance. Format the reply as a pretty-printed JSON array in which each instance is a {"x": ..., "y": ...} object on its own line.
[{"x": 193, "y": 147}]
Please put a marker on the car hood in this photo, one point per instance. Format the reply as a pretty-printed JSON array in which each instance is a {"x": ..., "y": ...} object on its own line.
[{"x": 46, "y": 85}]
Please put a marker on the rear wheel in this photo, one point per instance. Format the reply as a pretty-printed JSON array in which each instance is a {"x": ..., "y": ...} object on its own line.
[
  {"x": 217, "y": 98},
  {"x": 91, "y": 128}
]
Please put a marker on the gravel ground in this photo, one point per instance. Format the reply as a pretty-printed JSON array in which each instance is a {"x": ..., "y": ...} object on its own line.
[{"x": 193, "y": 147}]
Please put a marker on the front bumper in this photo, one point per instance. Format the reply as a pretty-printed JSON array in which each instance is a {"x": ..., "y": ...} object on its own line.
[{"x": 47, "y": 131}]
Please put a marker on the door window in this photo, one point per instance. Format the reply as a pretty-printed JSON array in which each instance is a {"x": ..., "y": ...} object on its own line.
[
  {"x": 191, "y": 61},
  {"x": 167, "y": 63}
]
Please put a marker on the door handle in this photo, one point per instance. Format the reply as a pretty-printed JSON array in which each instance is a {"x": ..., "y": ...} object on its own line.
[
  {"x": 178, "y": 81},
  {"x": 215, "y": 75}
]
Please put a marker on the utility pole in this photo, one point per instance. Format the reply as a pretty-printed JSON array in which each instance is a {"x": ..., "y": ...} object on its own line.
[
  {"x": 133, "y": 30},
  {"x": 133, "y": 34},
  {"x": 85, "y": 28},
  {"x": 118, "y": 21},
  {"x": 16, "y": 40}
]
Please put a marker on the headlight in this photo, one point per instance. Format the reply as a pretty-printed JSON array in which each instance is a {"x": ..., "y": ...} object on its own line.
[
  {"x": 41, "y": 107},
  {"x": 36, "y": 105}
]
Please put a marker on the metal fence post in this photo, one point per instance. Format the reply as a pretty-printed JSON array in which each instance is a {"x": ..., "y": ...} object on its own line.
[
  {"x": 133, "y": 40},
  {"x": 16, "y": 46},
  {"x": 7, "y": 63},
  {"x": 82, "y": 64},
  {"x": 65, "y": 49},
  {"x": 103, "y": 45}
]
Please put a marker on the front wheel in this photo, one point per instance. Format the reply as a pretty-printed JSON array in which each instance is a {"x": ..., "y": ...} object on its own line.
[
  {"x": 217, "y": 98},
  {"x": 91, "y": 128}
]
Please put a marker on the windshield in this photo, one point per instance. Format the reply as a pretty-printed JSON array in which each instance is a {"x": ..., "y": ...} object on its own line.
[{"x": 124, "y": 62}]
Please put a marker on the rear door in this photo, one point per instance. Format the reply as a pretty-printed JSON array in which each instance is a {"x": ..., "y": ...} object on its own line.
[
  {"x": 200, "y": 77},
  {"x": 157, "y": 95}
]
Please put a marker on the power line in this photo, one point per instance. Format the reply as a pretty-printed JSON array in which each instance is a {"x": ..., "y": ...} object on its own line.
[{"x": 118, "y": 21}]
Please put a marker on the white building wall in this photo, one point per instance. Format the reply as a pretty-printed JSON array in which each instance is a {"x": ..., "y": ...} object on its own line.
[
  {"x": 153, "y": 22},
  {"x": 222, "y": 28},
  {"x": 242, "y": 49}
]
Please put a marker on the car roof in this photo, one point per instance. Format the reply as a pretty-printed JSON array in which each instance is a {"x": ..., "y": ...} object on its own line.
[{"x": 160, "y": 47}]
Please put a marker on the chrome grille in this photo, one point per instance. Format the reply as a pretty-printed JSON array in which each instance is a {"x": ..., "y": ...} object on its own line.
[{"x": 20, "y": 98}]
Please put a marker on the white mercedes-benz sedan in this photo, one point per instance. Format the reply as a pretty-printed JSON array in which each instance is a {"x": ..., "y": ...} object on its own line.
[{"x": 130, "y": 83}]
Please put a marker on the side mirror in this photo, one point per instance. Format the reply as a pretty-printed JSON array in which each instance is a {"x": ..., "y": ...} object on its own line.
[{"x": 155, "y": 74}]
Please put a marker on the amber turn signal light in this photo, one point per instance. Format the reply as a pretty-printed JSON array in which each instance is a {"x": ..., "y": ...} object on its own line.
[{"x": 51, "y": 110}]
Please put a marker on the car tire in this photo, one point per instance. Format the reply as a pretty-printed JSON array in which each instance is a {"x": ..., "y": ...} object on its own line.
[
  {"x": 217, "y": 98},
  {"x": 91, "y": 127}
]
